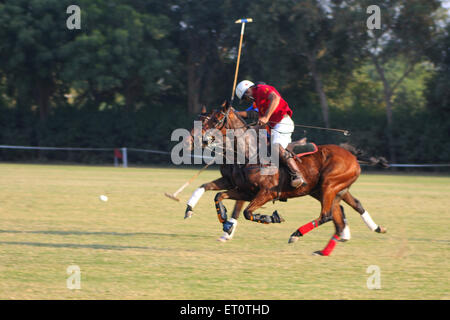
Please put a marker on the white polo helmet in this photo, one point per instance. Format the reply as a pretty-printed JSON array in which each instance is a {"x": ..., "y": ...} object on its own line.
[{"x": 242, "y": 87}]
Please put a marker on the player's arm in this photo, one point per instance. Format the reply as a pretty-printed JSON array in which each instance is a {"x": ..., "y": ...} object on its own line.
[
  {"x": 274, "y": 102},
  {"x": 250, "y": 115},
  {"x": 243, "y": 114}
]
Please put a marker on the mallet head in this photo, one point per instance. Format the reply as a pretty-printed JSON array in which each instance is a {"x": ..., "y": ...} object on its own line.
[
  {"x": 245, "y": 20},
  {"x": 171, "y": 196}
]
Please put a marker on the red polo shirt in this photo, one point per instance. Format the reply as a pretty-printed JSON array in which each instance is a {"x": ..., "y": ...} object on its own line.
[{"x": 261, "y": 96}]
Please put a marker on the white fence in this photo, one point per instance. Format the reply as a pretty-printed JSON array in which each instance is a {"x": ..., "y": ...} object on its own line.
[
  {"x": 123, "y": 154},
  {"x": 119, "y": 153}
]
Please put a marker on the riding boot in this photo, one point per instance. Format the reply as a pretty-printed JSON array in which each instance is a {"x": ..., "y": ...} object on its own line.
[{"x": 296, "y": 176}]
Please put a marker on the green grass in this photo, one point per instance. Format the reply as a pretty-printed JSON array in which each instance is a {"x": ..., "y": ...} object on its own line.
[{"x": 138, "y": 246}]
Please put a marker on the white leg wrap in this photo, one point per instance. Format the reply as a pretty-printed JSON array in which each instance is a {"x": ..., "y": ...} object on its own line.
[
  {"x": 345, "y": 235},
  {"x": 225, "y": 237},
  {"x": 368, "y": 221},
  {"x": 196, "y": 196},
  {"x": 233, "y": 221}
]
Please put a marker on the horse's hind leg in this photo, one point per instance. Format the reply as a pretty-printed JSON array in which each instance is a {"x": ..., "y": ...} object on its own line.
[
  {"x": 300, "y": 232},
  {"x": 340, "y": 223},
  {"x": 345, "y": 234},
  {"x": 330, "y": 196},
  {"x": 342, "y": 232},
  {"x": 356, "y": 204},
  {"x": 325, "y": 216}
]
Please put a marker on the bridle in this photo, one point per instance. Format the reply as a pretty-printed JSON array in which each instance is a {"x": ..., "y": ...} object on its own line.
[{"x": 224, "y": 121}]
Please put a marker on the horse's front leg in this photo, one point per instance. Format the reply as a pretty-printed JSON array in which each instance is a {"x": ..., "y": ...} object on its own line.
[
  {"x": 229, "y": 225},
  {"x": 237, "y": 209},
  {"x": 218, "y": 184},
  {"x": 258, "y": 201}
]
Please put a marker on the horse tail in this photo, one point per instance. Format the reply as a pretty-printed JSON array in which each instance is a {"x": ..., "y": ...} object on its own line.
[{"x": 363, "y": 158}]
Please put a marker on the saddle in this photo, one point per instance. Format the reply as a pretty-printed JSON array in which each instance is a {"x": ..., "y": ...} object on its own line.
[
  {"x": 299, "y": 148},
  {"x": 302, "y": 148}
]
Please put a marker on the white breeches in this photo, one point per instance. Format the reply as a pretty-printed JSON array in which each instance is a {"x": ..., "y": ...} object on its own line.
[{"x": 282, "y": 131}]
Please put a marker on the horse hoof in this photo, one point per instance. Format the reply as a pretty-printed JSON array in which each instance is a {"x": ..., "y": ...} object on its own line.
[
  {"x": 318, "y": 253},
  {"x": 276, "y": 218},
  {"x": 295, "y": 236},
  {"x": 293, "y": 239},
  {"x": 224, "y": 238},
  {"x": 188, "y": 214},
  {"x": 381, "y": 229}
]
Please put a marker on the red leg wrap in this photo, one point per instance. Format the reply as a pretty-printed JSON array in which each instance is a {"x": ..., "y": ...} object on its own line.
[
  {"x": 308, "y": 227},
  {"x": 330, "y": 246}
]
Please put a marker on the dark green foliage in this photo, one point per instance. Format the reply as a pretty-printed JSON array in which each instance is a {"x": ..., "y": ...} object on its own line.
[{"x": 139, "y": 69}]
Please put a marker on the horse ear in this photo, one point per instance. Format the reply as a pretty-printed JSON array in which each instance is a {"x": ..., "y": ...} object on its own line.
[{"x": 203, "y": 109}]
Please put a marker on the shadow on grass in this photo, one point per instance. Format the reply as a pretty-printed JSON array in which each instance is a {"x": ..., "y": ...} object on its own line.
[
  {"x": 91, "y": 246},
  {"x": 75, "y": 246},
  {"x": 103, "y": 233}
]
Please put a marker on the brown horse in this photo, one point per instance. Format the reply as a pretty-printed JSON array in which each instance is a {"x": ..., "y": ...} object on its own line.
[{"x": 329, "y": 173}]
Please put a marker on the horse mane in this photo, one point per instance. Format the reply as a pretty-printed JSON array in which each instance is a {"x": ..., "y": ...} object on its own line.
[{"x": 238, "y": 116}]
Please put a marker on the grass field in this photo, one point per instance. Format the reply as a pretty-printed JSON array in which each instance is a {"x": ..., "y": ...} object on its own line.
[{"x": 138, "y": 246}]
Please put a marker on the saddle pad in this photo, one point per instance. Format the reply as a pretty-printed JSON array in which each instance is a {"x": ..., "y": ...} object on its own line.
[{"x": 304, "y": 150}]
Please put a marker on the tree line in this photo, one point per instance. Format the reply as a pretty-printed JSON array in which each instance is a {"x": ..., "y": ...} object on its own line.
[{"x": 138, "y": 69}]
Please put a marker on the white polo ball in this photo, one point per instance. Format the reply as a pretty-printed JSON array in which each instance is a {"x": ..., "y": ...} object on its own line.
[{"x": 103, "y": 198}]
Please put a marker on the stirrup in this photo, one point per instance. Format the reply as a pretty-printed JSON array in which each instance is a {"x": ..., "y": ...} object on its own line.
[{"x": 300, "y": 183}]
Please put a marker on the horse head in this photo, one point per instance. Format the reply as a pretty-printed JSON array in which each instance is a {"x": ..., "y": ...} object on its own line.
[{"x": 216, "y": 122}]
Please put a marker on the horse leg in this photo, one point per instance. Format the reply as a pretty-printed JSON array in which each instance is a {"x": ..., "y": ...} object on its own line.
[
  {"x": 237, "y": 209},
  {"x": 345, "y": 235},
  {"x": 323, "y": 218},
  {"x": 339, "y": 224},
  {"x": 338, "y": 210},
  {"x": 229, "y": 225},
  {"x": 218, "y": 184},
  {"x": 330, "y": 196},
  {"x": 300, "y": 232},
  {"x": 260, "y": 199},
  {"x": 356, "y": 204}
]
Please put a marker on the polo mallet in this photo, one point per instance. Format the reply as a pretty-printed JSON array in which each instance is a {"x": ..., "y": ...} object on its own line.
[
  {"x": 344, "y": 132},
  {"x": 174, "y": 195},
  {"x": 243, "y": 22}
]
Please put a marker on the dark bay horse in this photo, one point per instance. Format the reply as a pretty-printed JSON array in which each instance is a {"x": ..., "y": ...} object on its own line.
[{"x": 329, "y": 173}]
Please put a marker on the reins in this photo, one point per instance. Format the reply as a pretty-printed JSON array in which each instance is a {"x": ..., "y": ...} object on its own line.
[{"x": 224, "y": 123}]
